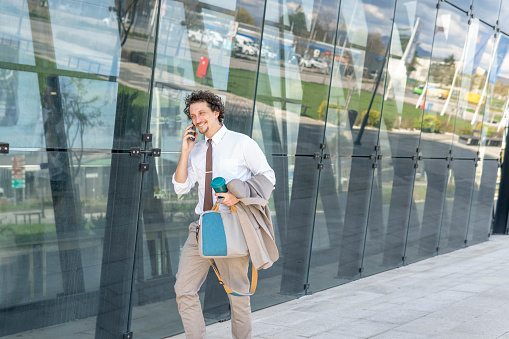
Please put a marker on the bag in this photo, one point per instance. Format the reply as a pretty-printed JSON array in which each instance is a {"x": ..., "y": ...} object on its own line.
[{"x": 220, "y": 234}]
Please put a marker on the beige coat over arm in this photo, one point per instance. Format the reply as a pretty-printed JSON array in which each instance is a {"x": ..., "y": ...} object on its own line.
[{"x": 255, "y": 219}]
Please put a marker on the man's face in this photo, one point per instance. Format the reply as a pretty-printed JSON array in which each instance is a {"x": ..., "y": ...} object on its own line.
[{"x": 206, "y": 120}]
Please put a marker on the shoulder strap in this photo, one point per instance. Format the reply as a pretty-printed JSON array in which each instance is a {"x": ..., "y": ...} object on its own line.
[{"x": 254, "y": 279}]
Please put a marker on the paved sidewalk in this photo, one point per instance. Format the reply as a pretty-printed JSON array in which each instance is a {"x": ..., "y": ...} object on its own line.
[{"x": 463, "y": 294}]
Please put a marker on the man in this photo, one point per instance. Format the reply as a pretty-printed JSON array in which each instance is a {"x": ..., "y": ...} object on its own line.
[{"x": 234, "y": 156}]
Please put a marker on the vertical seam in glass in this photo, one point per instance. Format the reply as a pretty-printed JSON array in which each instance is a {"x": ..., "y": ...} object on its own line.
[
  {"x": 386, "y": 67},
  {"x": 387, "y": 53},
  {"x": 498, "y": 17},
  {"x": 154, "y": 59},
  {"x": 429, "y": 71},
  {"x": 470, "y": 205},
  {"x": 312, "y": 230},
  {"x": 449, "y": 170},
  {"x": 332, "y": 72},
  {"x": 409, "y": 213},
  {"x": 323, "y": 140},
  {"x": 258, "y": 68},
  {"x": 140, "y": 201},
  {"x": 140, "y": 208},
  {"x": 420, "y": 139}
]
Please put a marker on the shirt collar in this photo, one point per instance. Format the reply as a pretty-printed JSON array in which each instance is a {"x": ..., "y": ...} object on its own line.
[{"x": 216, "y": 138}]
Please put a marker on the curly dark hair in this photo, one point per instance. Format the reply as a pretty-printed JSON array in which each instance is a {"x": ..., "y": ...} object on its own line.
[{"x": 213, "y": 101}]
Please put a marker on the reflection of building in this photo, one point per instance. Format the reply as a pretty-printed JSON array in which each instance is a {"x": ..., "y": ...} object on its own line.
[{"x": 386, "y": 141}]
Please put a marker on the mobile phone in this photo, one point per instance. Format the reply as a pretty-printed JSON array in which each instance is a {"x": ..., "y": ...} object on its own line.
[{"x": 193, "y": 133}]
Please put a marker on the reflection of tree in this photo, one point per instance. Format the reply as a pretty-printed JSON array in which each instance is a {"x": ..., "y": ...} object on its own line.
[
  {"x": 244, "y": 16},
  {"x": 411, "y": 66},
  {"x": 79, "y": 115},
  {"x": 375, "y": 45},
  {"x": 126, "y": 9},
  {"x": 443, "y": 72},
  {"x": 298, "y": 22}
]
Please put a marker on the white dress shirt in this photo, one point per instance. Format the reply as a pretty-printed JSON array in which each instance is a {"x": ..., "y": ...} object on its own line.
[{"x": 234, "y": 156}]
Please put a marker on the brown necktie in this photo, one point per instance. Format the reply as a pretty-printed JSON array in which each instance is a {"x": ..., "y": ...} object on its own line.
[{"x": 207, "y": 203}]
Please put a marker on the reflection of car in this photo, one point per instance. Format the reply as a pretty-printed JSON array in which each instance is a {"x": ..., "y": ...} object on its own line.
[
  {"x": 194, "y": 35},
  {"x": 314, "y": 63},
  {"x": 293, "y": 58},
  {"x": 267, "y": 53},
  {"x": 210, "y": 37},
  {"x": 432, "y": 91},
  {"x": 213, "y": 38},
  {"x": 245, "y": 45},
  {"x": 437, "y": 92},
  {"x": 473, "y": 97},
  {"x": 112, "y": 20},
  {"x": 418, "y": 89}
]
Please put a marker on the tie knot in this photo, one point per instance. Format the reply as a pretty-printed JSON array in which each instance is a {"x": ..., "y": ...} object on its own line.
[{"x": 209, "y": 141}]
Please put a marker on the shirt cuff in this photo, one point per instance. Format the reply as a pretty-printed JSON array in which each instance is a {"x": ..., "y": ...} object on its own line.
[{"x": 180, "y": 188}]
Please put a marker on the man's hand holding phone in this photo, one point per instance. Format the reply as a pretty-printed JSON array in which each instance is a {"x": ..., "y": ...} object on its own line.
[{"x": 189, "y": 139}]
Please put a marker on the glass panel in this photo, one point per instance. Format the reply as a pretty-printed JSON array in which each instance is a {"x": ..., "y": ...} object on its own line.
[
  {"x": 294, "y": 78},
  {"x": 479, "y": 225},
  {"x": 390, "y": 202},
  {"x": 359, "y": 65},
  {"x": 460, "y": 181},
  {"x": 163, "y": 232},
  {"x": 487, "y": 10},
  {"x": 478, "y": 60},
  {"x": 407, "y": 73},
  {"x": 72, "y": 83},
  {"x": 52, "y": 237},
  {"x": 340, "y": 223},
  {"x": 15, "y": 34},
  {"x": 504, "y": 12},
  {"x": 496, "y": 104},
  {"x": 85, "y": 36},
  {"x": 441, "y": 99},
  {"x": 214, "y": 47},
  {"x": 462, "y": 4},
  {"x": 426, "y": 210},
  {"x": 69, "y": 85},
  {"x": 84, "y": 116}
]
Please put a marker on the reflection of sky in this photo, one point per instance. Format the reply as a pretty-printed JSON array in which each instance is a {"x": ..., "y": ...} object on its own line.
[
  {"x": 95, "y": 95},
  {"x": 487, "y": 10},
  {"x": 451, "y": 40},
  {"x": 83, "y": 43},
  {"x": 226, "y": 4},
  {"x": 28, "y": 132},
  {"x": 173, "y": 42},
  {"x": 219, "y": 55},
  {"x": 15, "y": 32}
]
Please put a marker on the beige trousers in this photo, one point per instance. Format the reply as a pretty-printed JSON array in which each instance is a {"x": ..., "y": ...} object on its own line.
[{"x": 191, "y": 275}]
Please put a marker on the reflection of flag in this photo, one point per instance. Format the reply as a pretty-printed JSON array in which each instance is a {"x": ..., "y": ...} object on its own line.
[
  {"x": 439, "y": 29},
  {"x": 503, "y": 45},
  {"x": 473, "y": 61}
]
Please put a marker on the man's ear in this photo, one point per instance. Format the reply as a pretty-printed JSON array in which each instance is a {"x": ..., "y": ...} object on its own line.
[{"x": 216, "y": 113}]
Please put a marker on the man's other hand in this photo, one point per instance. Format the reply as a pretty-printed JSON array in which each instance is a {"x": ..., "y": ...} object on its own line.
[{"x": 229, "y": 199}]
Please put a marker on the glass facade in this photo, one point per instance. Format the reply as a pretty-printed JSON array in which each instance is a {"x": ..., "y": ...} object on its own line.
[{"x": 384, "y": 122}]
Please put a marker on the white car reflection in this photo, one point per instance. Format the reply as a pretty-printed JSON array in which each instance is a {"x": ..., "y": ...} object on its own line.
[
  {"x": 111, "y": 21},
  {"x": 314, "y": 63},
  {"x": 210, "y": 37}
]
